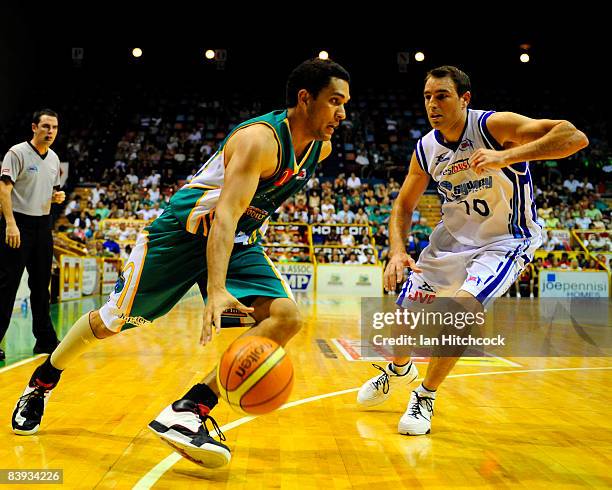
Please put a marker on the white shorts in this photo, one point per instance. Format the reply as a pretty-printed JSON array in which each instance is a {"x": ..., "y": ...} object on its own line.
[{"x": 449, "y": 266}]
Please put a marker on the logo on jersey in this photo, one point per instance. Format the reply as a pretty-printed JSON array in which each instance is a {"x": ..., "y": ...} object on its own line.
[
  {"x": 475, "y": 279},
  {"x": 120, "y": 284},
  {"x": 287, "y": 174},
  {"x": 33, "y": 169},
  {"x": 135, "y": 320},
  {"x": 455, "y": 192},
  {"x": 466, "y": 144},
  {"x": 256, "y": 213},
  {"x": 456, "y": 167},
  {"x": 424, "y": 298},
  {"x": 427, "y": 287},
  {"x": 442, "y": 158},
  {"x": 284, "y": 178}
]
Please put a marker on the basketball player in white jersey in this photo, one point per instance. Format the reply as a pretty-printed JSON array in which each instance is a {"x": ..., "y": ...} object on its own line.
[{"x": 488, "y": 232}]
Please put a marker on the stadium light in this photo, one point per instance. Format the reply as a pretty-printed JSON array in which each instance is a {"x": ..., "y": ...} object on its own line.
[
  {"x": 524, "y": 58},
  {"x": 324, "y": 55},
  {"x": 136, "y": 52},
  {"x": 209, "y": 54},
  {"x": 419, "y": 56}
]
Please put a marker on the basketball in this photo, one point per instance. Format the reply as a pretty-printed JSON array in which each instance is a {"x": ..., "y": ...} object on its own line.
[{"x": 255, "y": 375}]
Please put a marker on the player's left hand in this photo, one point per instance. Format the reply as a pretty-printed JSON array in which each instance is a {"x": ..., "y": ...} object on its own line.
[
  {"x": 58, "y": 197},
  {"x": 483, "y": 160},
  {"x": 216, "y": 304}
]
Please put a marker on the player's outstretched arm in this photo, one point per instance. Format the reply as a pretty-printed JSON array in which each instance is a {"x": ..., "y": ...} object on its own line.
[
  {"x": 400, "y": 222},
  {"x": 250, "y": 155},
  {"x": 525, "y": 139}
]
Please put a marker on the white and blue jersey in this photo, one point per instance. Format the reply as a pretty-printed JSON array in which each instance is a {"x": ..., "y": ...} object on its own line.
[
  {"x": 488, "y": 233},
  {"x": 478, "y": 209}
]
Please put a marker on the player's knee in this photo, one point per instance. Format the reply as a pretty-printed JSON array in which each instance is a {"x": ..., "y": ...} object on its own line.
[
  {"x": 288, "y": 318},
  {"x": 98, "y": 327}
]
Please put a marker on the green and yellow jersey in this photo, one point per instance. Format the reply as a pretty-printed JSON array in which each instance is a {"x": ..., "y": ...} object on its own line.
[{"x": 194, "y": 204}]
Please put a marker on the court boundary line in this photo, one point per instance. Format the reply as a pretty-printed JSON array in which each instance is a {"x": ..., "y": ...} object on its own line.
[
  {"x": 155, "y": 473},
  {"x": 21, "y": 363}
]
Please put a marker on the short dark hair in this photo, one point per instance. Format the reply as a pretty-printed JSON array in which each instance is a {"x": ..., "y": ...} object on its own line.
[
  {"x": 43, "y": 112},
  {"x": 459, "y": 78},
  {"x": 313, "y": 75}
]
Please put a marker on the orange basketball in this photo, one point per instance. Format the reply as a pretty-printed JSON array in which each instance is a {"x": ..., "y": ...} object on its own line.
[{"x": 255, "y": 375}]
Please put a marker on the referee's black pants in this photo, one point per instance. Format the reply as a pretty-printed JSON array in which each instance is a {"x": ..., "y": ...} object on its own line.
[{"x": 36, "y": 255}]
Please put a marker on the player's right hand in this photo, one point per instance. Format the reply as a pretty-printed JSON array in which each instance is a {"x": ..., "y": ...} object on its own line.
[
  {"x": 216, "y": 304},
  {"x": 13, "y": 237},
  {"x": 395, "y": 271}
]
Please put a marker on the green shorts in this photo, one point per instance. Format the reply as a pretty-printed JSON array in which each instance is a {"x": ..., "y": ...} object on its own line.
[{"x": 167, "y": 261}]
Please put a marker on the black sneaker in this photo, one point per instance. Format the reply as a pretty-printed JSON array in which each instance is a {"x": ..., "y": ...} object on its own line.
[
  {"x": 31, "y": 406},
  {"x": 183, "y": 427}
]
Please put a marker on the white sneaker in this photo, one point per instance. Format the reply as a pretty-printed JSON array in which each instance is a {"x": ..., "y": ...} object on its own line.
[
  {"x": 376, "y": 390},
  {"x": 416, "y": 420},
  {"x": 183, "y": 428}
]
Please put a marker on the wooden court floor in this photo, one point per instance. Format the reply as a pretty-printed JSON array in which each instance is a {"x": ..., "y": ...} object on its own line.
[{"x": 499, "y": 423}]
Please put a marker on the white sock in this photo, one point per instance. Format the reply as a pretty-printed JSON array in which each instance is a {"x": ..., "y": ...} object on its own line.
[
  {"x": 421, "y": 390},
  {"x": 401, "y": 370}
]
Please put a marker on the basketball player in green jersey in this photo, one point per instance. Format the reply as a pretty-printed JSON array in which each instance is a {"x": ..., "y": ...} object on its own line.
[{"x": 210, "y": 234}]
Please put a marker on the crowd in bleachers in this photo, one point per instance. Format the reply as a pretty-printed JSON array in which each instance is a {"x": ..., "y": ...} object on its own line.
[{"x": 162, "y": 143}]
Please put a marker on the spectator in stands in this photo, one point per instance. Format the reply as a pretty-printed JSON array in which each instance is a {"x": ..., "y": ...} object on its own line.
[
  {"x": 567, "y": 221},
  {"x": 73, "y": 208},
  {"x": 283, "y": 215},
  {"x": 366, "y": 242},
  {"x": 571, "y": 184},
  {"x": 594, "y": 265},
  {"x": 82, "y": 219},
  {"x": 328, "y": 206},
  {"x": 598, "y": 242},
  {"x": 329, "y": 217},
  {"x": 346, "y": 238},
  {"x": 332, "y": 238},
  {"x": 593, "y": 213},
  {"x": 131, "y": 177},
  {"x": 112, "y": 246},
  {"x": 352, "y": 259},
  {"x": 553, "y": 220},
  {"x": 125, "y": 253},
  {"x": 545, "y": 211},
  {"x": 322, "y": 258},
  {"x": 156, "y": 210},
  {"x": 346, "y": 216},
  {"x": 364, "y": 162},
  {"x": 300, "y": 213},
  {"x": 145, "y": 212},
  {"x": 336, "y": 259},
  {"x": 153, "y": 194},
  {"x": 565, "y": 260},
  {"x": 97, "y": 193},
  {"x": 340, "y": 184},
  {"x": 583, "y": 222},
  {"x": 153, "y": 179},
  {"x": 551, "y": 242},
  {"x": 353, "y": 182},
  {"x": 361, "y": 218},
  {"x": 574, "y": 265},
  {"x": 316, "y": 216},
  {"x": 314, "y": 200},
  {"x": 586, "y": 185}
]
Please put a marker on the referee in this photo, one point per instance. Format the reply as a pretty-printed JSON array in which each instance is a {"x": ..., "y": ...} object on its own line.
[{"x": 29, "y": 183}]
